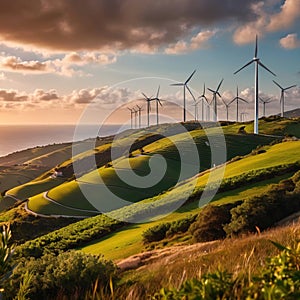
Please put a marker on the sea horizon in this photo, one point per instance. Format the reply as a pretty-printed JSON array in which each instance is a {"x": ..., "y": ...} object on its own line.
[{"x": 20, "y": 137}]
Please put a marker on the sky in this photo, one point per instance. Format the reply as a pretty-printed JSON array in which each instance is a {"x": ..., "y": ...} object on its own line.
[{"x": 64, "y": 62}]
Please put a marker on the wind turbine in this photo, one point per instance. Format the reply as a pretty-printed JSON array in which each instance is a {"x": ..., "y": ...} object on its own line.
[
  {"x": 140, "y": 114},
  {"x": 282, "y": 96},
  {"x": 256, "y": 62},
  {"x": 185, "y": 86},
  {"x": 131, "y": 116},
  {"x": 265, "y": 101},
  {"x": 135, "y": 116},
  {"x": 243, "y": 116},
  {"x": 196, "y": 109},
  {"x": 227, "y": 107},
  {"x": 214, "y": 100},
  {"x": 157, "y": 101},
  {"x": 202, "y": 98},
  {"x": 148, "y": 108},
  {"x": 237, "y": 99}
]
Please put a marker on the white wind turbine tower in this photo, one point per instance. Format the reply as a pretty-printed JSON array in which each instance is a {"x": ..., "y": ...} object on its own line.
[
  {"x": 227, "y": 105},
  {"x": 202, "y": 98},
  {"x": 140, "y": 114},
  {"x": 185, "y": 86},
  {"x": 282, "y": 96},
  {"x": 148, "y": 108},
  {"x": 257, "y": 62},
  {"x": 131, "y": 116},
  {"x": 214, "y": 100},
  {"x": 196, "y": 109},
  {"x": 135, "y": 116},
  {"x": 264, "y": 102},
  {"x": 237, "y": 98},
  {"x": 157, "y": 102}
]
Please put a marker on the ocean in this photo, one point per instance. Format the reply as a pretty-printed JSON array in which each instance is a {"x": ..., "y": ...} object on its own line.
[{"x": 18, "y": 137}]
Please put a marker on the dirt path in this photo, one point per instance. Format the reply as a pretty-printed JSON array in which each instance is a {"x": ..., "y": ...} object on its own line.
[{"x": 166, "y": 255}]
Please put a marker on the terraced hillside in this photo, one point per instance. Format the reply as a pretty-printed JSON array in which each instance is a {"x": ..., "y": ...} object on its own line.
[
  {"x": 62, "y": 196},
  {"x": 106, "y": 181}
]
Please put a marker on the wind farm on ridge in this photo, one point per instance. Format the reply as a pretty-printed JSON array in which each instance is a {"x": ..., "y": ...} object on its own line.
[{"x": 209, "y": 107}]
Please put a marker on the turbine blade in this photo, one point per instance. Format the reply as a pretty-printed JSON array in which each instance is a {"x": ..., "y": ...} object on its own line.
[
  {"x": 219, "y": 94},
  {"x": 278, "y": 84},
  {"x": 243, "y": 100},
  {"x": 290, "y": 87},
  {"x": 256, "y": 48},
  {"x": 261, "y": 64},
  {"x": 211, "y": 90},
  {"x": 232, "y": 101},
  {"x": 157, "y": 91},
  {"x": 177, "y": 84},
  {"x": 159, "y": 102},
  {"x": 144, "y": 95},
  {"x": 190, "y": 92},
  {"x": 203, "y": 90},
  {"x": 190, "y": 77},
  {"x": 246, "y": 65},
  {"x": 219, "y": 84}
]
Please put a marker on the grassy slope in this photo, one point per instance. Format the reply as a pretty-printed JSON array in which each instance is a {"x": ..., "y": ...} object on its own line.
[
  {"x": 128, "y": 241},
  {"x": 284, "y": 153},
  {"x": 69, "y": 193}
]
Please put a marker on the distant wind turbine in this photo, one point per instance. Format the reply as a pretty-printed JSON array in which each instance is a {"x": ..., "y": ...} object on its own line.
[
  {"x": 256, "y": 62},
  {"x": 140, "y": 114},
  {"x": 264, "y": 102},
  {"x": 135, "y": 116},
  {"x": 282, "y": 96},
  {"x": 185, "y": 86},
  {"x": 237, "y": 98},
  {"x": 148, "y": 107},
  {"x": 157, "y": 102},
  {"x": 131, "y": 116},
  {"x": 214, "y": 100},
  {"x": 227, "y": 105},
  {"x": 196, "y": 109},
  {"x": 202, "y": 98},
  {"x": 243, "y": 116}
]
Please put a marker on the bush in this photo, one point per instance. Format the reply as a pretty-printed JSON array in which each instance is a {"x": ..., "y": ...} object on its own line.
[
  {"x": 265, "y": 210},
  {"x": 63, "y": 274},
  {"x": 155, "y": 233},
  {"x": 167, "y": 230},
  {"x": 209, "y": 223}
]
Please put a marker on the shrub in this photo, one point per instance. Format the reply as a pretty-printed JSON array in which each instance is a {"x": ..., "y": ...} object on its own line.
[
  {"x": 63, "y": 274},
  {"x": 209, "y": 223},
  {"x": 167, "y": 230},
  {"x": 156, "y": 233},
  {"x": 265, "y": 210}
]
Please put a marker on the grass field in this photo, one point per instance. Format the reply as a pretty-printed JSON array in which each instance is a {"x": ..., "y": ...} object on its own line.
[
  {"x": 283, "y": 153},
  {"x": 69, "y": 193},
  {"x": 128, "y": 241},
  {"x": 32, "y": 188}
]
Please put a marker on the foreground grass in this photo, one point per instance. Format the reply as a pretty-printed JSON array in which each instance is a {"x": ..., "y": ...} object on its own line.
[{"x": 243, "y": 256}]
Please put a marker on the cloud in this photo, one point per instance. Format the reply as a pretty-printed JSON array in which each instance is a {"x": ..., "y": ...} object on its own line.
[
  {"x": 289, "y": 13},
  {"x": 101, "y": 25},
  {"x": 16, "y": 64},
  {"x": 267, "y": 20},
  {"x": 199, "y": 41},
  {"x": 12, "y": 96},
  {"x": 63, "y": 66},
  {"x": 290, "y": 41}
]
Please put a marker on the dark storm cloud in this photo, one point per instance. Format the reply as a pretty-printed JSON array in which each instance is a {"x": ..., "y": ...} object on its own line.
[{"x": 113, "y": 24}]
